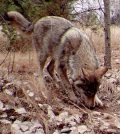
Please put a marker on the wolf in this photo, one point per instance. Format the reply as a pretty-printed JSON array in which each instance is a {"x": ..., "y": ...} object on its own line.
[{"x": 72, "y": 54}]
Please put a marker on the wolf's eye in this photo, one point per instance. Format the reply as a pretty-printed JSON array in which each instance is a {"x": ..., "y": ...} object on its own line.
[
  {"x": 89, "y": 93},
  {"x": 78, "y": 85}
]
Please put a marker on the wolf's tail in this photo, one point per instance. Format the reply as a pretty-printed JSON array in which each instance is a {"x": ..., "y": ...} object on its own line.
[{"x": 19, "y": 19}]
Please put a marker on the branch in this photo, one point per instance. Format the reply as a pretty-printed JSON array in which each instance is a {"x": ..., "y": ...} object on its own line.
[
  {"x": 5, "y": 58},
  {"x": 88, "y": 10},
  {"x": 101, "y": 7}
]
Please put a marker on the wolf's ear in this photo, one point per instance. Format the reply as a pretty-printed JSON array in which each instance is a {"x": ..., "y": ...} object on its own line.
[
  {"x": 100, "y": 72},
  {"x": 87, "y": 73}
]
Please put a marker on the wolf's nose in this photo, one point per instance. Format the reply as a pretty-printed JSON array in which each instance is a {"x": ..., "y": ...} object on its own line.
[{"x": 92, "y": 107}]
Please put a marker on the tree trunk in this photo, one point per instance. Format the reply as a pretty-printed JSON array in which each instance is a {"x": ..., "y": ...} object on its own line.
[{"x": 107, "y": 57}]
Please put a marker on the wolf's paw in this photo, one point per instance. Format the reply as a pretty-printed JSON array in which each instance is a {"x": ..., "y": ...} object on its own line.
[{"x": 98, "y": 102}]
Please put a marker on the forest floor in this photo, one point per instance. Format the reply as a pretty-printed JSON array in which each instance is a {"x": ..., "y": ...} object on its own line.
[{"x": 24, "y": 109}]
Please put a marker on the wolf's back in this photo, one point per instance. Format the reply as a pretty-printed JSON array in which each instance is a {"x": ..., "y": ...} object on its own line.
[{"x": 51, "y": 29}]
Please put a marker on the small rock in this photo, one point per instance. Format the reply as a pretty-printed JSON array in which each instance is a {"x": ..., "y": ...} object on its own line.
[
  {"x": 8, "y": 92},
  {"x": 37, "y": 124},
  {"x": 117, "y": 123},
  {"x": 118, "y": 102},
  {"x": 1, "y": 27},
  {"x": 62, "y": 116},
  {"x": 36, "y": 128},
  {"x": 5, "y": 121},
  {"x": 36, "y": 74},
  {"x": 113, "y": 75},
  {"x": 117, "y": 61},
  {"x": 77, "y": 118},
  {"x": 12, "y": 117},
  {"x": 106, "y": 124},
  {"x": 18, "y": 83},
  {"x": 25, "y": 83},
  {"x": 28, "y": 91},
  {"x": 21, "y": 111},
  {"x": 82, "y": 129},
  {"x": 46, "y": 105},
  {"x": 116, "y": 70},
  {"x": 40, "y": 105},
  {"x": 15, "y": 129},
  {"x": 74, "y": 118},
  {"x": 108, "y": 75},
  {"x": 104, "y": 127},
  {"x": 27, "y": 127},
  {"x": 24, "y": 127},
  {"x": 73, "y": 128},
  {"x": 1, "y": 105},
  {"x": 66, "y": 130},
  {"x": 4, "y": 115},
  {"x": 118, "y": 88},
  {"x": 7, "y": 107},
  {"x": 95, "y": 113},
  {"x": 72, "y": 123},
  {"x": 56, "y": 132},
  {"x": 17, "y": 122},
  {"x": 110, "y": 130},
  {"x": 51, "y": 115},
  {"x": 31, "y": 94},
  {"x": 37, "y": 99},
  {"x": 37, "y": 131},
  {"x": 74, "y": 132}
]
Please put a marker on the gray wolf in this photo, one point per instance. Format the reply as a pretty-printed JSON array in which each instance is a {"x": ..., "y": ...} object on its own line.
[{"x": 71, "y": 51}]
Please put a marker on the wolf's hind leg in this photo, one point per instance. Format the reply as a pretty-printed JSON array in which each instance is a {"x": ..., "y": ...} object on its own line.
[
  {"x": 50, "y": 68},
  {"x": 41, "y": 54},
  {"x": 50, "y": 81},
  {"x": 42, "y": 57}
]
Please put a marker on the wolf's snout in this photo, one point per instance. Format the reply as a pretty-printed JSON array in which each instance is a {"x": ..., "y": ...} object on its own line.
[{"x": 91, "y": 102}]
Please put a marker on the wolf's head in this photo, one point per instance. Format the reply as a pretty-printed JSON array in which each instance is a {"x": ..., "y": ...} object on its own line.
[
  {"x": 88, "y": 84},
  {"x": 18, "y": 21}
]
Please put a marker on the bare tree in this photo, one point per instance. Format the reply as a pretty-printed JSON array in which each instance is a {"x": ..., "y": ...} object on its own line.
[{"x": 107, "y": 58}]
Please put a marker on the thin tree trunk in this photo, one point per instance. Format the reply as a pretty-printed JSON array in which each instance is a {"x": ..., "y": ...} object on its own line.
[{"x": 107, "y": 57}]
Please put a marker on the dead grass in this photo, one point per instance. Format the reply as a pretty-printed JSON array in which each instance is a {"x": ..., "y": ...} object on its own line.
[
  {"x": 26, "y": 63},
  {"x": 25, "y": 70},
  {"x": 20, "y": 62},
  {"x": 97, "y": 38}
]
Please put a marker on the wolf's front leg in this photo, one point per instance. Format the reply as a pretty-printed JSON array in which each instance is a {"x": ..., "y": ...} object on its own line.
[
  {"x": 64, "y": 84},
  {"x": 98, "y": 102}
]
